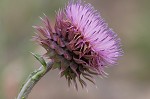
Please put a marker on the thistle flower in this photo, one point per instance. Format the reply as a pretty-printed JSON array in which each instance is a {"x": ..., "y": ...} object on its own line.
[{"x": 82, "y": 44}]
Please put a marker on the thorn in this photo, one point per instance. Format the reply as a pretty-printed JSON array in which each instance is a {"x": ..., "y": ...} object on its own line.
[
  {"x": 100, "y": 76},
  {"x": 58, "y": 78},
  {"x": 105, "y": 76},
  {"x": 44, "y": 14},
  {"x": 96, "y": 87},
  {"x": 41, "y": 18},
  {"x": 87, "y": 90},
  {"x": 35, "y": 27},
  {"x": 105, "y": 73},
  {"x": 94, "y": 80},
  {"x": 59, "y": 73}
]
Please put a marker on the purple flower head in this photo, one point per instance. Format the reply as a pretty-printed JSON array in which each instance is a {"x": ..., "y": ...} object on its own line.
[{"x": 82, "y": 44}]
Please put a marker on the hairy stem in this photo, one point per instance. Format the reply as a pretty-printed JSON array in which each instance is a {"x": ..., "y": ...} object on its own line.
[{"x": 33, "y": 79}]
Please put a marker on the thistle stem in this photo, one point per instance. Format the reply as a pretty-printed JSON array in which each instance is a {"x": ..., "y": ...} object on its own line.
[{"x": 33, "y": 79}]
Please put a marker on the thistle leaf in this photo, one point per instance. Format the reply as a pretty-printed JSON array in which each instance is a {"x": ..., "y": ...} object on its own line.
[{"x": 40, "y": 59}]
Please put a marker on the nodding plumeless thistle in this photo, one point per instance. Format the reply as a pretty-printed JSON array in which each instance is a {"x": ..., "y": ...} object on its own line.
[{"x": 82, "y": 44}]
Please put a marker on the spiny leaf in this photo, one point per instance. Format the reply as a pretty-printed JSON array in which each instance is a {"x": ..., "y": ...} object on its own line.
[{"x": 40, "y": 59}]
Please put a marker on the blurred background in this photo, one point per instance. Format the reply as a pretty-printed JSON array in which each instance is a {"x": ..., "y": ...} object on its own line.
[{"x": 130, "y": 79}]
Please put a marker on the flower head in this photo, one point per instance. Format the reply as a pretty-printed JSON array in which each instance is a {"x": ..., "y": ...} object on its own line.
[{"x": 82, "y": 44}]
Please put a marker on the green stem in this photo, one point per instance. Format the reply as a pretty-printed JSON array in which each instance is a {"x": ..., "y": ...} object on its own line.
[{"x": 33, "y": 79}]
